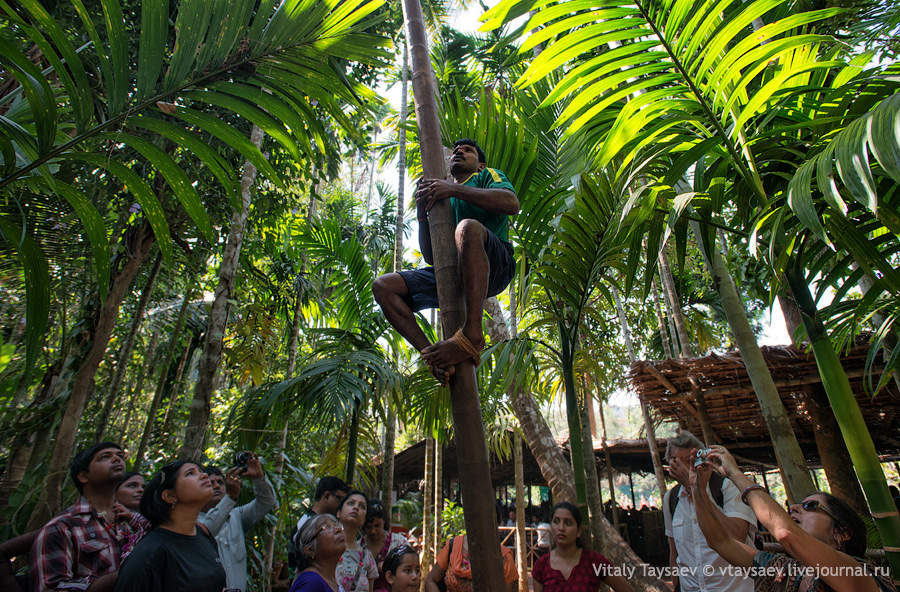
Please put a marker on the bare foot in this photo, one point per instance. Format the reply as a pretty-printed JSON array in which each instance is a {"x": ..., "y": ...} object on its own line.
[{"x": 450, "y": 352}]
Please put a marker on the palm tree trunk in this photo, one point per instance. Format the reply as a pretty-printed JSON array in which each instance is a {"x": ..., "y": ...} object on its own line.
[
  {"x": 139, "y": 240},
  {"x": 660, "y": 321},
  {"x": 429, "y": 551},
  {"x": 832, "y": 451},
  {"x": 521, "y": 549},
  {"x": 645, "y": 411},
  {"x": 177, "y": 392},
  {"x": 797, "y": 480},
  {"x": 352, "y": 443},
  {"x": 851, "y": 421},
  {"x": 125, "y": 353},
  {"x": 592, "y": 482},
  {"x": 573, "y": 418},
  {"x": 438, "y": 498},
  {"x": 674, "y": 301},
  {"x": 390, "y": 427},
  {"x": 198, "y": 421},
  {"x": 138, "y": 458},
  {"x": 278, "y": 467},
  {"x": 472, "y": 458},
  {"x": 614, "y": 506}
]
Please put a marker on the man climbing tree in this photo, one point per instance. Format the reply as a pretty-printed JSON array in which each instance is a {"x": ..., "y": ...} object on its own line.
[{"x": 482, "y": 199}]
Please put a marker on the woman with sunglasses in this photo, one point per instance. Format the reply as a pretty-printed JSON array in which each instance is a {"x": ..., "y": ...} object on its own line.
[
  {"x": 321, "y": 542},
  {"x": 823, "y": 537},
  {"x": 380, "y": 541},
  {"x": 178, "y": 555}
]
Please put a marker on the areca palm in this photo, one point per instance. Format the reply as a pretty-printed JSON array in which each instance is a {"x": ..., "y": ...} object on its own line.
[
  {"x": 692, "y": 85},
  {"x": 279, "y": 65}
]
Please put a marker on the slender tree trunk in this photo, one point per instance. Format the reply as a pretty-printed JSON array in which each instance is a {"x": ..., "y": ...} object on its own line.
[
  {"x": 674, "y": 300},
  {"x": 614, "y": 505},
  {"x": 851, "y": 421},
  {"x": 592, "y": 482},
  {"x": 176, "y": 390},
  {"x": 125, "y": 353},
  {"x": 352, "y": 443},
  {"x": 139, "y": 242},
  {"x": 573, "y": 419},
  {"x": 660, "y": 321},
  {"x": 797, "y": 480},
  {"x": 645, "y": 411},
  {"x": 390, "y": 426},
  {"x": 521, "y": 547},
  {"x": 278, "y": 467},
  {"x": 198, "y": 421},
  {"x": 138, "y": 459},
  {"x": 429, "y": 552},
  {"x": 472, "y": 458},
  {"x": 831, "y": 447},
  {"x": 149, "y": 358},
  {"x": 438, "y": 493}
]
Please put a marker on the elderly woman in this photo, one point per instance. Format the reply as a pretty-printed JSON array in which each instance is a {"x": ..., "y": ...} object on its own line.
[
  {"x": 823, "y": 537},
  {"x": 321, "y": 543}
]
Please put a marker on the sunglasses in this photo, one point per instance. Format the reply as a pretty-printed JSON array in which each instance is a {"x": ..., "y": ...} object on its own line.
[{"x": 812, "y": 505}]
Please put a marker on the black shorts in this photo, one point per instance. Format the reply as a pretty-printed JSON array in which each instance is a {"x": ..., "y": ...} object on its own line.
[{"x": 422, "y": 285}]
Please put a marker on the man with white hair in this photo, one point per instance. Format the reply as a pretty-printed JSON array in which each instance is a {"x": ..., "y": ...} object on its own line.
[{"x": 699, "y": 568}]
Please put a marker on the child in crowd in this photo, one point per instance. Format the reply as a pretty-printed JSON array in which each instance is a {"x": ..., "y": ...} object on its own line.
[{"x": 401, "y": 569}]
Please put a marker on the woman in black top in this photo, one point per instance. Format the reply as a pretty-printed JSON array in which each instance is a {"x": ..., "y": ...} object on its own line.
[{"x": 178, "y": 554}]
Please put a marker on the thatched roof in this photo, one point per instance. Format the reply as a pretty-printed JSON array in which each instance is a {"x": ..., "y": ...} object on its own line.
[{"x": 669, "y": 387}]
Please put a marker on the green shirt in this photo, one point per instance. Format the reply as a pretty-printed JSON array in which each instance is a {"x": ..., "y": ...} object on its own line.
[{"x": 485, "y": 179}]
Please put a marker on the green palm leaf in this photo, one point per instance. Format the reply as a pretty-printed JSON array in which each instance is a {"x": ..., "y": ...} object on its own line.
[{"x": 874, "y": 136}]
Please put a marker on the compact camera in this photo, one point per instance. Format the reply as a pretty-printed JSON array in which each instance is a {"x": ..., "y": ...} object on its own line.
[
  {"x": 241, "y": 459},
  {"x": 702, "y": 457}
]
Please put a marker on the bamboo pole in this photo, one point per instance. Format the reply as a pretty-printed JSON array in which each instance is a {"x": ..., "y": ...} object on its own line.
[
  {"x": 521, "y": 550},
  {"x": 472, "y": 458}
]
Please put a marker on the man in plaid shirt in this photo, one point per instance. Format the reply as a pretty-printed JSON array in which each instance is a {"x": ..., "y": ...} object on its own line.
[{"x": 82, "y": 548}]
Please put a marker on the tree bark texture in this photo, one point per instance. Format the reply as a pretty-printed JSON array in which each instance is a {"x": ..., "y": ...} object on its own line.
[
  {"x": 125, "y": 352},
  {"x": 138, "y": 459},
  {"x": 136, "y": 245},
  {"x": 472, "y": 459},
  {"x": 198, "y": 420},
  {"x": 797, "y": 481}
]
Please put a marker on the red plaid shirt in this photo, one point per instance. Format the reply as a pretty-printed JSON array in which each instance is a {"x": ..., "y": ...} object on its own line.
[{"x": 79, "y": 546}]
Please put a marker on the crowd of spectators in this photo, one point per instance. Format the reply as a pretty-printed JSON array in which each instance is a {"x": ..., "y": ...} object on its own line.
[{"x": 183, "y": 530}]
